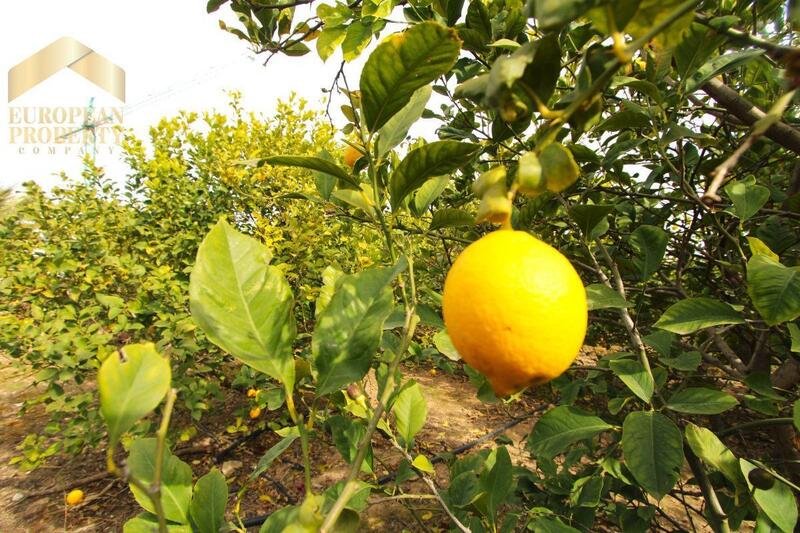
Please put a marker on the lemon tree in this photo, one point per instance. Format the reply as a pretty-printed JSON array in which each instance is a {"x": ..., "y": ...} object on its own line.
[{"x": 619, "y": 174}]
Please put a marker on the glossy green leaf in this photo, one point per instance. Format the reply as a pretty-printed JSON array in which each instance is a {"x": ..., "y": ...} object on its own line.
[
  {"x": 650, "y": 244},
  {"x": 561, "y": 427},
  {"x": 713, "y": 452},
  {"x": 329, "y": 39},
  {"x": 410, "y": 411},
  {"x": 131, "y": 383},
  {"x": 280, "y": 520},
  {"x": 701, "y": 401},
  {"x": 243, "y": 304},
  {"x": 428, "y": 193},
  {"x": 718, "y": 65},
  {"x": 317, "y": 164},
  {"x": 552, "y": 14},
  {"x": 210, "y": 497},
  {"x": 348, "y": 331},
  {"x": 435, "y": 159},
  {"x": 176, "y": 480},
  {"x": 400, "y": 65},
  {"x": 774, "y": 289},
  {"x": 633, "y": 374},
  {"x": 551, "y": 525},
  {"x": 747, "y": 197},
  {"x": 148, "y": 523},
  {"x": 778, "y": 503},
  {"x": 653, "y": 448},
  {"x": 396, "y": 128},
  {"x": 692, "y": 314},
  {"x": 445, "y": 346},
  {"x": 424, "y": 464},
  {"x": 496, "y": 483},
  {"x": 589, "y": 216},
  {"x": 601, "y": 296},
  {"x": 273, "y": 453},
  {"x": 449, "y": 217},
  {"x": 356, "y": 39}
]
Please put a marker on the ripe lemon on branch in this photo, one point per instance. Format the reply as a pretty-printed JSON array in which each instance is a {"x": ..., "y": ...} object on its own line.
[{"x": 515, "y": 310}]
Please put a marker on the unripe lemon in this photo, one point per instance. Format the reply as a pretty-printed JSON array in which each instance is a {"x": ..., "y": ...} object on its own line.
[
  {"x": 74, "y": 497},
  {"x": 351, "y": 155},
  {"x": 515, "y": 310},
  {"x": 255, "y": 412}
]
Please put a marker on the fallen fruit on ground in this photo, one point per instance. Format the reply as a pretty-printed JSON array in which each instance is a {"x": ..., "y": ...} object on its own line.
[
  {"x": 255, "y": 412},
  {"x": 252, "y": 393},
  {"x": 74, "y": 497},
  {"x": 515, "y": 310}
]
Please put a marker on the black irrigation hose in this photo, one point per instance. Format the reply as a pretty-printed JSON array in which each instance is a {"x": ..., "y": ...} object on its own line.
[{"x": 439, "y": 458}]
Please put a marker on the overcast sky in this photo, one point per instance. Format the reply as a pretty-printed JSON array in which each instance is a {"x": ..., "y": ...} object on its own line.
[{"x": 174, "y": 55}]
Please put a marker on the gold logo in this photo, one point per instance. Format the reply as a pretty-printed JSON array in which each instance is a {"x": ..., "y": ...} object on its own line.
[{"x": 66, "y": 53}]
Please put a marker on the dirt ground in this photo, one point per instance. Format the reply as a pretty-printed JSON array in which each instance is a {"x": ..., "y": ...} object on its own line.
[{"x": 34, "y": 501}]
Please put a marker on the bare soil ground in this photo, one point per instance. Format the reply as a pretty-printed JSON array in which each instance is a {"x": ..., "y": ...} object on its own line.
[{"x": 34, "y": 501}]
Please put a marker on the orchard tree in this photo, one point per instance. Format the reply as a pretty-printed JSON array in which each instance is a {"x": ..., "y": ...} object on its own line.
[{"x": 651, "y": 142}]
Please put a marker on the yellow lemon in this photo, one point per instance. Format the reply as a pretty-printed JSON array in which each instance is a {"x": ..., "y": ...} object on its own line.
[
  {"x": 75, "y": 497},
  {"x": 255, "y": 412},
  {"x": 515, "y": 310},
  {"x": 351, "y": 155},
  {"x": 252, "y": 393}
]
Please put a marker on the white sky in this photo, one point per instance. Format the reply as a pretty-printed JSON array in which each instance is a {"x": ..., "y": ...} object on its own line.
[{"x": 171, "y": 50}]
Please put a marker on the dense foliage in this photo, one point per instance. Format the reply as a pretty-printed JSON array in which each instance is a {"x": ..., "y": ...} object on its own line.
[{"x": 628, "y": 134}]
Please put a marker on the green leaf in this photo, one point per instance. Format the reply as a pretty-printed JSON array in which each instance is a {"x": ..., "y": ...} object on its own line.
[
  {"x": 774, "y": 289},
  {"x": 560, "y": 427},
  {"x": 207, "y": 510},
  {"x": 497, "y": 482},
  {"x": 400, "y": 65},
  {"x": 794, "y": 334},
  {"x": 131, "y": 383},
  {"x": 148, "y": 523},
  {"x": 759, "y": 247},
  {"x": 692, "y": 314},
  {"x": 410, "y": 411},
  {"x": 778, "y": 503},
  {"x": 356, "y": 39},
  {"x": 633, "y": 374},
  {"x": 713, "y": 452},
  {"x": 449, "y": 217},
  {"x": 718, "y": 65},
  {"x": 347, "y": 434},
  {"x": 600, "y": 296},
  {"x": 317, "y": 164},
  {"x": 626, "y": 119},
  {"x": 796, "y": 414},
  {"x": 701, "y": 401},
  {"x": 542, "y": 74},
  {"x": 348, "y": 332},
  {"x": 445, "y": 346},
  {"x": 559, "y": 168},
  {"x": 654, "y": 12},
  {"x": 396, "y": 128},
  {"x": 435, "y": 159},
  {"x": 747, "y": 197},
  {"x": 428, "y": 193},
  {"x": 329, "y": 39},
  {"x": 279, "y": 521},
  {"x": 478, "y": 19},
  {"x": 653, "y": 450},
  {"x": 552, "y": 14},
  {"x": 650, "y": 244},
  {"x": 686, "y": 361},
  {"x": 273, "y": 453},
  {"x": 588, "y": 216},
  {"x": 551, "y": 525},
  {"x": 243, "y": 304},
  {"x": 330, "y": 277},
  {"x": 176, "y": 480},
  {"x": 422, "y": 463}
]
